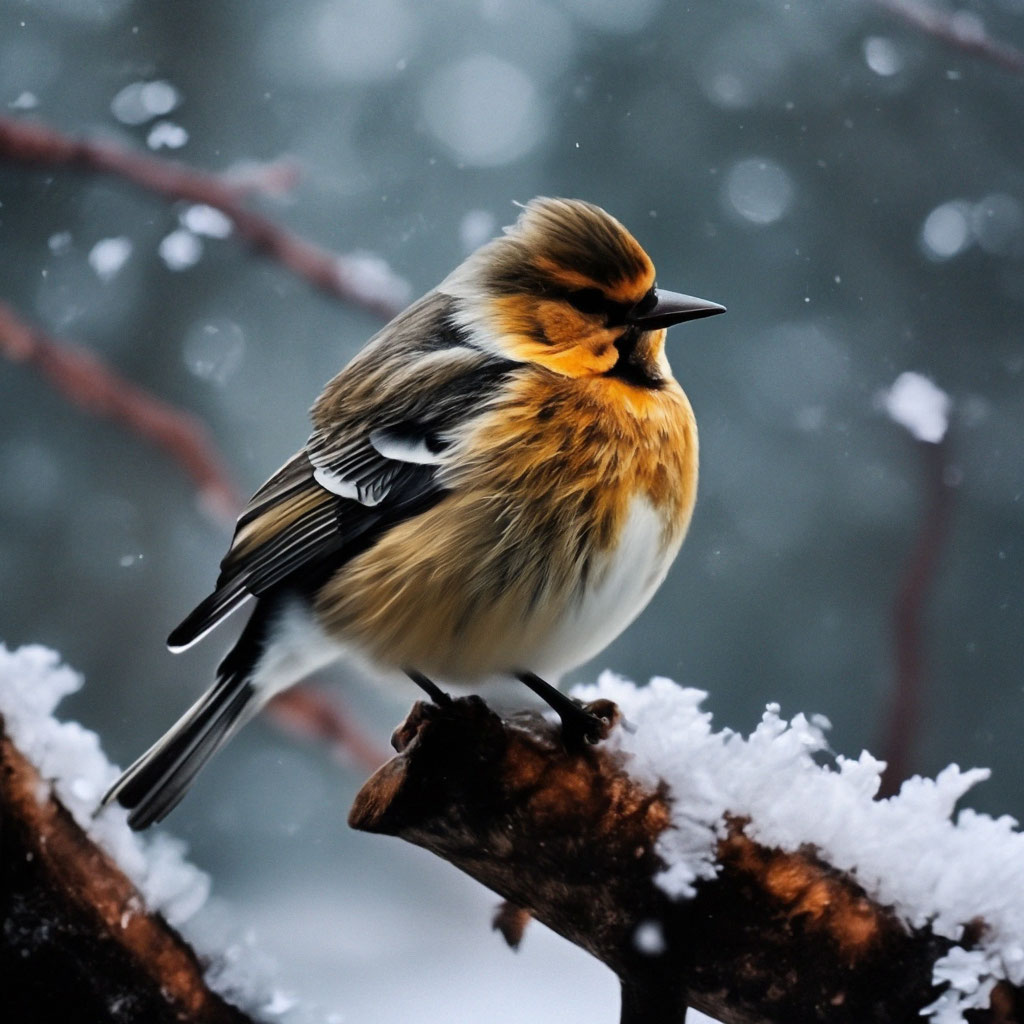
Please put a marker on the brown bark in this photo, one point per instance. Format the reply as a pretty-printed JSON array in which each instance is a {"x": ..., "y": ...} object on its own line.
[
  {"x": 76, "y": 944},
  {"x": 569, "y": 837}
]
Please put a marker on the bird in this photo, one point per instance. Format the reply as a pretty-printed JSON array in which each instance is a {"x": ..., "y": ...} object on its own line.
[{"x": 494, "y": 486}]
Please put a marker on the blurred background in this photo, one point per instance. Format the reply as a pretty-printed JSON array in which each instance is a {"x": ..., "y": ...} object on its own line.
[{"x": 849, "y": 185}]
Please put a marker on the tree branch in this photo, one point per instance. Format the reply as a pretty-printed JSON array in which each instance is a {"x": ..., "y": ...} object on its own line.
[
  {"x": 86, "y": 381},
  {"x": 570, "y": 837},
  {"x": 77, "y": 944},
  {"x": 309, "y": 713},
  {"x": 904, "y": 717},
  {"x": 33, "y": 144},
  {"x": 960, "y": 30}
]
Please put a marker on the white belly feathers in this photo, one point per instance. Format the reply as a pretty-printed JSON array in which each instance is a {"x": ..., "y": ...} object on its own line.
[{"x": 617, "y": 591}]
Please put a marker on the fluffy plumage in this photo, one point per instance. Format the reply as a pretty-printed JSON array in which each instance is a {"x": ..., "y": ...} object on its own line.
[{"x": 494, "y": 486}]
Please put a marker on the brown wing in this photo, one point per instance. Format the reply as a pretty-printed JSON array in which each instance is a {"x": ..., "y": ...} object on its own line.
[{"x": 372, "y": 462}]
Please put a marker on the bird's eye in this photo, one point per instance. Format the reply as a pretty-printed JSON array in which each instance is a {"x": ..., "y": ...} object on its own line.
[
  {"x": 646, "y": 304},
  {"x": 588, "y": 300}
]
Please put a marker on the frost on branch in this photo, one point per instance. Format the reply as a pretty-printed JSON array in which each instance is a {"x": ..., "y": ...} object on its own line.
[
  {"x": 735, "y": 874},
  {"x": 754, "y": 878},
  {"x": 89, "y": 908}
]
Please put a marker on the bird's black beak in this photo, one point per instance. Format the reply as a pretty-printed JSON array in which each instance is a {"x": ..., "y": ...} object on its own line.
[{"x": 660, "y": 308}]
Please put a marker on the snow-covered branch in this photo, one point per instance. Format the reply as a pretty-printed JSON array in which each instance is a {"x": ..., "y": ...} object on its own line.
[
  {"x": 923, "y": 409},
  {"x": 736, "y": 875},
  {"x": 80, "y": 941},
  {"x": 101, "y": 924},
  {"x": 755, "y": 878},
  {"x": 360, "y": 280}
]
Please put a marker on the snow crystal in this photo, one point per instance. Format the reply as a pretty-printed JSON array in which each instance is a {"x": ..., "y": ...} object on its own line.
[
  {"x": 59, "y": 243},
  {"x": 486, "y": 111},
  {"x": 759, "y": 190},
  {"x": 166, "y": 135},
  {"x": 180, "y": 249},
  {"x": 108, "y": 256},
  {"x": 373, "y": 279},
  {"x": 213, "y": 349},
  {"x": 649, "y": 938},
  {"x": 139, "y": 102},
  {"x": 906, "y": 851},
  {"x": 882, "y": 56},
  {"x": 916, "y": 403},
  {"x": 206, "y": 220},
  {"x": 946, "y": 230},
  {"x": 475, "y": 228},
  {"x": 24, "y": 101}
]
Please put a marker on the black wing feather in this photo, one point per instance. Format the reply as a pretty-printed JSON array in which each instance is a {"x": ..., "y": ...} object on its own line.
[{"x": 340, "y": 493}]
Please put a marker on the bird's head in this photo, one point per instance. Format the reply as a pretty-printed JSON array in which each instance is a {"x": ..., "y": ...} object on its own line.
[{"x": 569, "y": 288}]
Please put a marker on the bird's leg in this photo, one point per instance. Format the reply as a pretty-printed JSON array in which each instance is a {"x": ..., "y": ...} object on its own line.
[
  {"x": 429, "y": 687},
  {"x": 581, "y": 723}
]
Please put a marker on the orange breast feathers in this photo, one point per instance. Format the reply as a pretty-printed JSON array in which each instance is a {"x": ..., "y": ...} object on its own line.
[{"x": 542, "y": 487}]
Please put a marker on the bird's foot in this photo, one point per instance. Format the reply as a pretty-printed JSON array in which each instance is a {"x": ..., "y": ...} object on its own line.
[
  {"x": 582, "y": 724},
  {"x": 429, "y": 687}
]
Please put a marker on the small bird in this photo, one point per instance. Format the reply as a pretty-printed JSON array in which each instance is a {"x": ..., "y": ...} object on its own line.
[{"x": 494, "y": 486}]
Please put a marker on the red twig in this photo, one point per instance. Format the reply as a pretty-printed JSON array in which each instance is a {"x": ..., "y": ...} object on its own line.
[
  {"x": 307, "y": 712},
  {"x": 961, "y": 30},
  {"x": 89, "y": 383},
  {"x": 28, "y": 142},
  {"x": 86, "y": 381},
  {"x": 908, "y": 612}
]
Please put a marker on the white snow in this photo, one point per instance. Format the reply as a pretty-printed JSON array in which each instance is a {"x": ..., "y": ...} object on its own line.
[
  {"x": 371, "y": 277},
  {"x": 140, "y": 102},
  {"x": 916, "y": 403},
  {"x": 24, "y": 101},
  {"x": 68, "y": 757},
  {"x": 882, "y": 56},
  {"x": 180, "y": 249},
  {"x": 475, "y": 228},
  {"x": 758, "y": 190},
  {"x": 206, "y": 220},
  {"x": 649, "y": 938},
  {"x": 32, "y": 683},
  {"x": 109, "y": 255},
  {"x": 906, "y": 851},
  {"x": 59, "y": 242},
  {"x": 946, "y": 231},
  {"x": 166, "y": 135}
]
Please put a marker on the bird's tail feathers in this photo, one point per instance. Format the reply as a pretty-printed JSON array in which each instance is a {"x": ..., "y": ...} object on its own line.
[
  {"x": 208, "y": 613},
  {"x": 154, "y": 784}
]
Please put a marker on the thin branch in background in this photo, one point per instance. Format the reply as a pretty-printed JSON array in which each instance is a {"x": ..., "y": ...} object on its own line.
[
  {"x": 89, "y": 383},
  {"x": 348, "y": 278},
  {"x": 915, "y": 587},
  {"x": 310, "y": 714},
  {"x": 962, "y": 30}
]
